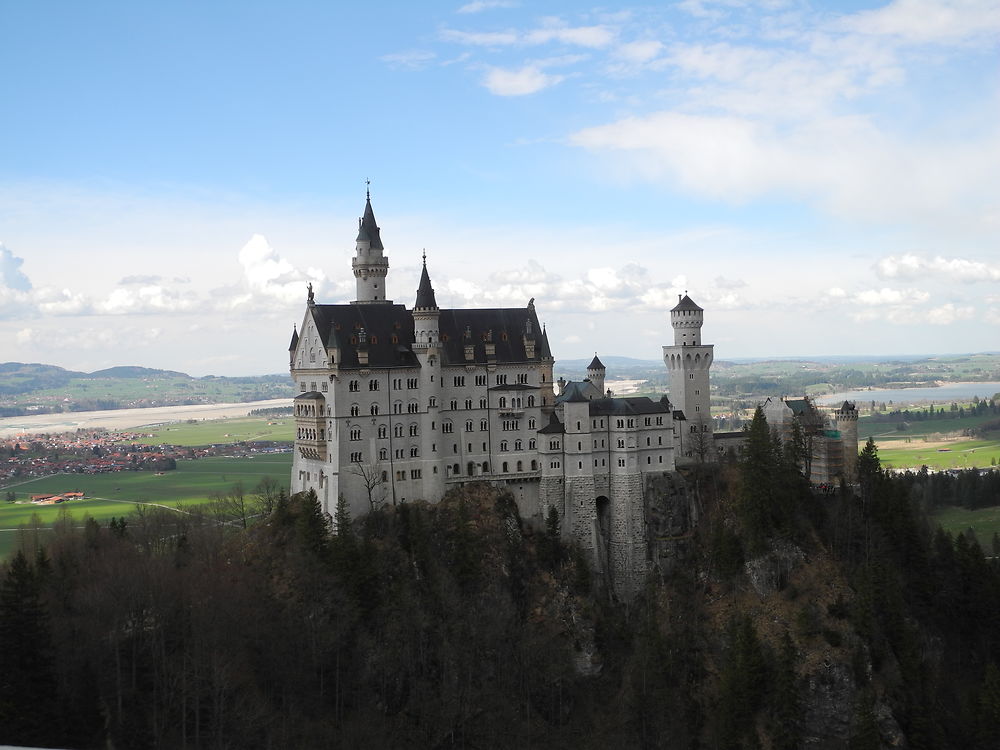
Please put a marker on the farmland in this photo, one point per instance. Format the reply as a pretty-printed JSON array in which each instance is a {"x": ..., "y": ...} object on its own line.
[
  {"x": 192, "y": 483},
  {"x": 219, "y": 431}
]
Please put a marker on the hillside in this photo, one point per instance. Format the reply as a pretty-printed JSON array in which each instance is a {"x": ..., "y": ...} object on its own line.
[
  {"x": 38, "y": 388},
  {"x": 783, "y": 620}
]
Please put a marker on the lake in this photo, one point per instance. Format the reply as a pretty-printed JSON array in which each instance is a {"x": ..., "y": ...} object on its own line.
[{"x": 948, "y": 392}]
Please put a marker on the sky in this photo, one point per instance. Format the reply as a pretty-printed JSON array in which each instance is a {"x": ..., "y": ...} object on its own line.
[{"x": 822, "y": 178}]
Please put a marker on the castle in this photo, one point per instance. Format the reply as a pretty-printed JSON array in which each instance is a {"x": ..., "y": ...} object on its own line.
[{"x": 398, "y": 404}]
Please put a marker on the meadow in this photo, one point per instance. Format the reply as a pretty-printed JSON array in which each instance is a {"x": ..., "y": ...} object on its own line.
[
  {"x": 194, "y": 482},
  {"x": 984, "y": 521},
  {"x": 219, "y": 431}
]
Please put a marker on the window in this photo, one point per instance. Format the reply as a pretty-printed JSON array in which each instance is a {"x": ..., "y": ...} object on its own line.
[
  {"x": 355, "y": 434},
  {"x": 412, "y": 383},
  {"x": 356, "y": 457},
  {"x": 531, "y": 444},
  {"x": 647, "y": 441},
  {"x": 484, "y": 425},
  {"x": 374, "y": 410},
  {"x": 501, "y": 380},
  {"x": 372, "y": 385},
  {"x": 480, "y": 380},
  {"x": 531, "y": 400},
  {"x": 520, "y": 466},
  {"x": 503, "y": 402},
  {"x": 413, "y": 408},
  {"x": 401, "y": 476},
  {"x": 620, "y": 423},
  {"x": 353, "y": 386},
  {"x": 659, "y": 420},
  {"x": 531, "y": 423},
  {"x": 397, "y": 407},
  {"x": 697, "y": 393},
  {"x": 554, "y": 445},
  {"x": 383, "y": 454},
  {"x": 382, "y": 432},
  {"x": 397, "y": 430},
  {"x": 453, "y": 404},
  {"x": 397, "y": 384},
  {"x": 459, "y": 381},
  {"x": 456, "y": 469},
  {"x": 691, "y": 376},
  {"x": 414, "y": 452},
  {"x": 468, "y": 403},
  {"x": 503, "y": 469},
  {"x": 414, "y": 473},
  {"x": 432, "y": 402},
  {"x": 483, "y": 403},
  {"x": 414, "y": 430},
  {"x": 447, "y": 427},
  {"x": 503, "y": 446},
  {"x": 534, "y": 464},
  {"x": 326, "y": 386},
  {"x": 621, "y": 443},
  {"x": 355, "y": 410},
  {"x": 518, "y": 445},
  {"x": 648, "y": 421},
  {"x": 621, "y": 462},
  {"x": 398, "y": 453},
  {"x": 697, "y": 408},
  {"x": 694, "y": 428},
  {"x": 302, "y": 386},
  {"x": 522, "y": 378},
  {"x": 468, "y": 425}
]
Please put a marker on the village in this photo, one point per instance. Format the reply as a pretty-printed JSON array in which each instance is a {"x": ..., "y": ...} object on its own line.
[{"x": 30, "y": 456}]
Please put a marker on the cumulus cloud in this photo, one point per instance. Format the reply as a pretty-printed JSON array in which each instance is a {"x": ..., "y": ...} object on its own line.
[
  {"x": 949, "y": 313},
  {"x": 639, "y": 51},
  {"x": 11, "y": 276},
  {"x": 270, "y": 276},
  {"x": 911, "y": 266},
  {"x": 723, "y": 283},
  {"x": 150, "y": 298},
  {"x": 529, "y": 79}
]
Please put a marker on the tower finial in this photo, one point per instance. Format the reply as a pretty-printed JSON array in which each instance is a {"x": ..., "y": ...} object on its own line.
[
  {"x": 425, "y": 257},
  {"x": 368, "y": 191}
]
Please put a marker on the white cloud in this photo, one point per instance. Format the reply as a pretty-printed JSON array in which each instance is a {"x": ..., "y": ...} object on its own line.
[
  {"x": 911, "y": 266},
  {"x": 269, "y": 277},
  {"x": 478, "y": 6},
  {"x": 640, "y": 51},
  {"x": 11, "y": 276},
  {"x": 25, "y": 336},
  {"x": 949, "y": 313},
  {"x": 887, "y": 296},
  {"x": 481, "y": 38},
  {"x": 929, "y": 21},
  {"x": 527, "y": 80},
  {"x": 593, "y": 37},
  {"x": 723, "y": 283},
  {"x": 411, "y": 59}
]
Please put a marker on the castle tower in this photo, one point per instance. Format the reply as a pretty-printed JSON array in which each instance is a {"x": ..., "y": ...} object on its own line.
[
  {"x": 369, "y": 264},
  {"x": 596, "y": 372},
  {"x": 847, "y": 423},
  {"x": 689, "y": 361},
  {"x": 426, "y": 346}
]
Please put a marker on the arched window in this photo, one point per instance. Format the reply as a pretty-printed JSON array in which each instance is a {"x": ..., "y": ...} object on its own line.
[
  {"x": 355, "y": 410},
  {"x": 504, "y": 467},
  {"x": 503, "y": 446},
  {"x": 374, "y": 410},
  {"x": 520, "y": 466},
  {"x": 531, "y": 400}
]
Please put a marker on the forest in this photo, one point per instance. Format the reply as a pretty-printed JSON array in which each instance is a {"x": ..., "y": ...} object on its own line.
[{"x": 789, "y": 619}]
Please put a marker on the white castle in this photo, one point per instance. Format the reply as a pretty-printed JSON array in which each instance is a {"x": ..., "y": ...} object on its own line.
[{"x": 397, "y": 405}]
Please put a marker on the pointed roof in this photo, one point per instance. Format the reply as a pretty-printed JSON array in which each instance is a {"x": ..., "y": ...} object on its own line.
[
  {"x": 686, "y": 303},
  {"x": 295, "y": 340},
  {"x": 369, "y": 229},
  {"x": 596, "y": 364},
  {"x": 425, "y": 292}
]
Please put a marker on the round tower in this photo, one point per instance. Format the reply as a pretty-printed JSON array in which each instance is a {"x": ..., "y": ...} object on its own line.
[
  {"x": 369, "y": 263},
  {"x": 847, "y": 423},
  {"x": 689, "y": 362},
  {"x": 595, "y": 373}
]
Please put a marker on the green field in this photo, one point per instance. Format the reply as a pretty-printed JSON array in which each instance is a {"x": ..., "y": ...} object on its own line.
[
  {"x": 218, "y": 431},
  {"x": 921, "y": 428},
  {"x": 960, "y": 454},
  {"x": 985, "y": 522},
  {"x": 192, "y": 483}
]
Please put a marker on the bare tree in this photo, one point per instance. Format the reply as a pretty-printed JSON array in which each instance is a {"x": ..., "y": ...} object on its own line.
[{"x": 374, "y": 478}]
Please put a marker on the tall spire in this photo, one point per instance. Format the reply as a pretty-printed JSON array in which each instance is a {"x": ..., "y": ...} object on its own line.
[
  {"x": 368, "y": 229},
  {"x": 425, "y": 292}
]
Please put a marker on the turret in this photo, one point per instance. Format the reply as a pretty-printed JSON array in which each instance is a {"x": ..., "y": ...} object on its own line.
[
  {"x": 687, "y": 318},
  {"x": 596, "y": 372},
  {"x": 425, "y": 311},
  {"x": 370, "y": 265},
  {"x": 847, "y": 423}
]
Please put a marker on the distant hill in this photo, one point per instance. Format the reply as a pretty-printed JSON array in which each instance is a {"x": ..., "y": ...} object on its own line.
[
  {"x": 32, "y": 388},
  {"x": 130, "y": 371}
]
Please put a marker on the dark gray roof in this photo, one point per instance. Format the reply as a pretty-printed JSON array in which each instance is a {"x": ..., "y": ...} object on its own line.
[
  {"x": 578, "y": 390},
  {"x": 847, "y": 408},
  {"x": 295, "y": 340},
  {"x": 686, "y": 303},
  {"x": 425, "y": 292},
  {"x": 506, "y": 326},
  {"x": 595, "y": 364},
  {"x": 369, "y": 229},
  {"x": 553, "y": 427},
  {"x": 388, "y": 330},
  {"x": 628, "y": 406},
  {"x": 310, "y": 396}
]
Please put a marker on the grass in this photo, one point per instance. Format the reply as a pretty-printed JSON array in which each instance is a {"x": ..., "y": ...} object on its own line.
[
  {"x": 984, "y": 521},
  {"x": 192, "y": 483},
  {"x": 921, "y": 428},
  {"x": 217, "y": 431},
  {"x": 960, "y": 454}
]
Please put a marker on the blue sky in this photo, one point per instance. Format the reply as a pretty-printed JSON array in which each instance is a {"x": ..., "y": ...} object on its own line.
[{"x": 822, "y": 178}]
